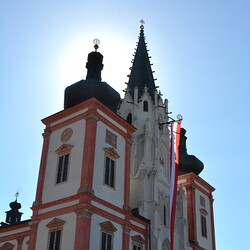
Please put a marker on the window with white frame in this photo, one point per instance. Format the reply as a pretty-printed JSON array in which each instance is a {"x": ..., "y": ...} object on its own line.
[
  {"x": 63, "y": 163},
  {"x": 203, "y": 225},
  {"x": 137, "y": 242},
  {"x": 110, "y": 166},
  {"x": 107, "y": 235},
  {"x": 109, "y": 176},
  {"x": 55, "y": 234}
]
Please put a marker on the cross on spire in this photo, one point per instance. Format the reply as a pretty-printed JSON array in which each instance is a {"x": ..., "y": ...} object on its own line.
[{"x": 142, "y": 24}]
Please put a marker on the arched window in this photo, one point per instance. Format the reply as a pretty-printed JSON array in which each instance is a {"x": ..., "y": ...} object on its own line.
[
  {"x": 145, "y": 106},
  {"x": 129, "y": 118}
]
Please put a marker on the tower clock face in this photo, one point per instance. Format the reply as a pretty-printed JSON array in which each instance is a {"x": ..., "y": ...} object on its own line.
[{"x": 66, "y": 135}]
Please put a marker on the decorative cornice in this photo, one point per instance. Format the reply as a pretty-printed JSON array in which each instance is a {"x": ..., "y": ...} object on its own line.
[
  {"x": 46, "y": 134},
  {"x": 87, "y": 190},
  {"x": 55, "y": 223},
  {"x": 64, "y": 148},
  {"x": 112, "y": 152},
  {"x": 126, "y": 229},
  {"x": 92, "y": 117},
  {"x": 34, "y": 223},
  {"x": 84, "y": 212},
  {"x": 108, "y": 226},
  {"x": 138, "y": 239},
  {"x": 7, "y": 246}
]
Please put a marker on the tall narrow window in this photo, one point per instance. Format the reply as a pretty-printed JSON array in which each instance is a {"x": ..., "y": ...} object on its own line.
[
  {"x": 107, "y": 235},
  {"x": 55, "y": 234},
  {"x": 62, "y": 171},
  {"x": 54, "y": 241},
  {"x": 164, "y": 216},
  {"x": 110, "y": 166},
  {"x": 203, "y": 226},
  {"x": 145, "y": 106},
  {"x": 109, "y": 172},
  {"x": 63, "y": 163},
  {"x": 106, "y": 241}
]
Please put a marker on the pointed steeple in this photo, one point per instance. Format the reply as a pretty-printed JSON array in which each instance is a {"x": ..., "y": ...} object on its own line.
[{"x": 141, "y": 75}]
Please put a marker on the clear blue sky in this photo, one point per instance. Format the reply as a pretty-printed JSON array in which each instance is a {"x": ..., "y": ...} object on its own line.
[{"x": 200, "y": 54}]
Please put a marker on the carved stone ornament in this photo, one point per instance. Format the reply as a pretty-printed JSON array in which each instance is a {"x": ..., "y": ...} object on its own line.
[
  {"x": 7, "y": 246},
  {"x": 66, "y": 135},
  {"x": 55, "y": 223}
]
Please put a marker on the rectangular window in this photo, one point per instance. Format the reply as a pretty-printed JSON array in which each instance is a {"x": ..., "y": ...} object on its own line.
[
  {"x": 54, "y": 240},
  {"x": 109, "y": 172},
  {"x": 62, "y": 171},
  {"x": 203, "y": 226},
  {"x": 106, "y": 241}
]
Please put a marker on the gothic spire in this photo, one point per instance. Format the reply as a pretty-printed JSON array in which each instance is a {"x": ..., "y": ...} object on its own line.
[{"x": 141, "y": 74}]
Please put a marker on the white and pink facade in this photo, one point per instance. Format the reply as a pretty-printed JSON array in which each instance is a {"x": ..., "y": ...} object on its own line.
[{"x": 104, "y": 181}]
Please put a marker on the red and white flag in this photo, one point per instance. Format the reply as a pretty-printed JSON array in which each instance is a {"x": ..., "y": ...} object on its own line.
[{"x": 174, "y": 162}]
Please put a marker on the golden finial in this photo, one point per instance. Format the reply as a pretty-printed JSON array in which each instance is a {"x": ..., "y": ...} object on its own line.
[
  {"x": 142, "y": 24},
  {"x": 96, "y": 44}
]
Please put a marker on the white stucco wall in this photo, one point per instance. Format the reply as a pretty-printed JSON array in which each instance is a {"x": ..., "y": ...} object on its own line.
[
  {"x": 206, "y": 243},
  {"x": 53, "y": 191},
  {"x": 68, "y": 233},
  {"x": 112, "y": 195},
  {"x": 95, "y": 234}
]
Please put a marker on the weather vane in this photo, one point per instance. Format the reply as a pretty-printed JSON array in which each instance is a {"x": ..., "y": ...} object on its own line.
[
  {"x": 96, "y": 42},
  {"x": 142, "y": 24}
]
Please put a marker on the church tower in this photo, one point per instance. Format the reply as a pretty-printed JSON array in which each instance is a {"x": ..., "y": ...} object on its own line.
[
  {"x": 83, "y": 190},
  {"x": 144, "y": 108},
  {"x": 104, "y": 176},
  {"x": 199, "y": 197}
]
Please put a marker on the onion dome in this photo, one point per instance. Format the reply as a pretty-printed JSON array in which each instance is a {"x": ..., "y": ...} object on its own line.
[
  {"x": 188, "y": 163},
  {"x": 92, "y": 87}
]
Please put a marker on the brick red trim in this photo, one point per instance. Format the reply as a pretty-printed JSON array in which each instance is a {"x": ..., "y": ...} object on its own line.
[
  {"x": 191, "y": 184},
  {"x": 15, "y": 236},
  {"x": 191, "y": 213},
  {"x": 33, "y": 235},
  {"x": 90, "y": 104},
  {"x": 20, "y": 243},
  {"x": 43, "y": 163},
  {"x": 83, "y": 225},
  {"x": 89, "y": 152},
  {"x": 212, "y": 223},
  {"x": 125, "y": 237}
]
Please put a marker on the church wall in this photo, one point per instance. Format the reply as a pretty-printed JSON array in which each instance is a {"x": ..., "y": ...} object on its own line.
[
  {"x": 95, "y": 234},
  {"x": 203, "y": 241},
  {"x": 52, "y": 190},
  {"x": 111, "y": 195},
  {"x": 68, "y": 232}
]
